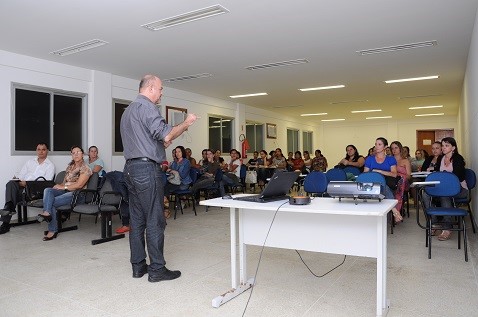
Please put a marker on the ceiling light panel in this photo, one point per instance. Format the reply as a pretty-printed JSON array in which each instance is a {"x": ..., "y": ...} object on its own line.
[
  {"x": 411, "y": 79},
  {"x": 396, "y": 48},
  {"x": 186, "y": 17},
  {"x": 331, "y": 120},
  {"x": 426, "y": 107},
  {"x": 429, "y": 114},
  {"x": 172, "y": 80},
  {"x": 278, "y": 64},
  {"x": 373, "y": 118},
  {"x": 250, "y": 95},
  {"x": 322, "y": 88},
  {"x": 79, "y": 47},
  {"x": 364, "y": 111},
  {"x": 313, "y": 114}
]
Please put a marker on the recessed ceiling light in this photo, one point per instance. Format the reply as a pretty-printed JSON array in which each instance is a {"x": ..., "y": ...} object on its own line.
[
  {"x": 322, "y": 88},
  {"x": 79, "y": 47},
  {"x": 371, "y": 110},
  {"x": 278, "y": 64},
  {"x": 186, "y": 17},
  {"x": 328, "y": 120},
  {"x": 313, "y": 114},
  {"x": 430, "y": 114},
  {"x": 373, "y": 118},
  {"x": 411, "y": 79},
  {"x": 250, "y": 95},
  {"x": 397, "y": 48},
  {"x": 426, "y": 107}
]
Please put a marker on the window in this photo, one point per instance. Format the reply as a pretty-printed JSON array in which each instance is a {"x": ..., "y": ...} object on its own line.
[
  {"x": 255, "y": 136},
  {"x": 292, "y": 140},
  {"x": 119, "y": 108},
  {"x": 220, "y": 133},
  {"x": 47, "y": 115},
  {"x": 307, "y": 141}
]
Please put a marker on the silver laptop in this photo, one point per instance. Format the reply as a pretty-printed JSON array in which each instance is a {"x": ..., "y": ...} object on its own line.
[{"x": 277, "y": 188}]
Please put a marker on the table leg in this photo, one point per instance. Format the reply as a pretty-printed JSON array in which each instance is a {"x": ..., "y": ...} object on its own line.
[
  {"x": 382, "y": 302},
  {"x": 233, "y": 248}
]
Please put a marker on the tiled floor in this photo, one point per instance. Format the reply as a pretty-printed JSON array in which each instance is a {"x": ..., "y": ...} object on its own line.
[{"x": 70, "y": 277}]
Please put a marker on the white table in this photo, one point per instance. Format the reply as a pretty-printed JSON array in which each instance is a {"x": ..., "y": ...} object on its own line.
[{"x": 326, "y": 225}]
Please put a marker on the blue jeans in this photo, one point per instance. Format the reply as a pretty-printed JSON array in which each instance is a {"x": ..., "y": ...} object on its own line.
[
  {"x": 145, "y": 181},
  {"x": 54, "y": 198}
]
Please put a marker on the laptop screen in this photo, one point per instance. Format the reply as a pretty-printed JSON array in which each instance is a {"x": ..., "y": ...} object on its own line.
[{"x": 279, "y": 184}]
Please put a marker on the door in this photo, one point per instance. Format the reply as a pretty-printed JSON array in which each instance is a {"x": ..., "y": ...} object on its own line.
[{"x": 425, "y": 139}]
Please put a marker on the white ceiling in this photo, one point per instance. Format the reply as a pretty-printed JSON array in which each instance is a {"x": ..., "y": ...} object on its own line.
[{"x": 325, "y": 32}]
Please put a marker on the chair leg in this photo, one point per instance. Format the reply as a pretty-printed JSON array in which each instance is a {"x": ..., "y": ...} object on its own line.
[
  {"x": 429, "y": 238},
  {"x": 472, "y": 218},
  {"x": 391, "y": 222},
  {"x": 465, "y": 243}
]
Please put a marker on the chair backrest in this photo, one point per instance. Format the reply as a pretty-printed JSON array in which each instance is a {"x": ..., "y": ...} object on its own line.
[
  {"x": 371, "y": 177},
  {"x": 336, "y": 174},
  {"x": 470, "y": 178},
  {"x": 109, "y": 199},
  {"x": 243, "y": 172},
  {"x": 93, "y": 185},
  {"x": 315, "y": 183},
  {"x": 60, "y": 177},
  {"x": 352, "y": 169},
  {"x": 449, "y": 185}
]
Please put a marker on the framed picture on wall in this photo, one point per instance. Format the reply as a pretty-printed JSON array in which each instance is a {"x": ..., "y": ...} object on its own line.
[
  {"x": 271, "y": 131},
  {"x": 175, "y": 115}
]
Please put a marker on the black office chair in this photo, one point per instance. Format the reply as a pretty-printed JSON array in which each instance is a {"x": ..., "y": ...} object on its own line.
[{"x": 181, "y": 195}]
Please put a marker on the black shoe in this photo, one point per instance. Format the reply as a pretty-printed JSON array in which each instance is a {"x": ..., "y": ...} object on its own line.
[
  {"x": 4, "y": 228},
  {"x": 7, "y": 212},
  {"x": 139, "y": 272},
  {"x": 164, "y": 275},
  {"x": 50, "y": 238},
  {"x": 41, "y": 218}
]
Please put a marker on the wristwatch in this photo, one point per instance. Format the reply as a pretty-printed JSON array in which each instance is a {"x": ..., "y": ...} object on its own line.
[{"x": 66, "y": 187}]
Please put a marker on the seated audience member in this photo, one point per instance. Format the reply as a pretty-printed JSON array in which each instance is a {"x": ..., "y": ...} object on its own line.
[
  {"x": 298, "y": 162},
  {"x": 279, "y": 162},
  {"x": 319, "y": 162},
  {"x": 252, "y": 163},
  {"x": 34, "y": 168},
  {"x": 219, "y": 159},
  {"x": 76, "y": 177},
  {"x": 406, "y": 152},
  {"x": 430, "y": 163},
  {"x": 388, "y": 152},
  {"x": 404, "y": 170},
  {"x": 94, "y": 162},
  {"x": 352, "y": 158},
  {"x": 385, "y": 165},
  {"x": 307, "y": 161},
  {"x": 290, "y": 160},
  {"x": 209, "y": 168},
  {"x": 450, "y": 161},
  {"x": 191, "y": 159},
  {"x": 263, "y": 172},
  {"x": 371, "y": 152},
  {"x": 181, "y": 166},
  {"x": 418, "y": 161},
  {"x": 271, "y": 156},
  {"x": 232, "y": 171},
  {"x": 203, "y": 159}
]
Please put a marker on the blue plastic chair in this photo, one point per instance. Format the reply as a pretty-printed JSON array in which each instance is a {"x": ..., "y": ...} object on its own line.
[
  {"x": 315, "y": 183},
  {"x": 187, "y": 194},
  {"x": 470, "y": 179},
  {"x": 352, "y": 170},
  {"x": 449, "y": 186},
  {"x": 336, "y": 174}
]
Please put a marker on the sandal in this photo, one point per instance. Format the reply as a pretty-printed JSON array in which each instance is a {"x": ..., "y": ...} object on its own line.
[
  {"x": 434, "y": 232},
  {"x": 397, "y": 216},
  {"x": 167, "y": 212},
  {"x": 445, "y": 235}
]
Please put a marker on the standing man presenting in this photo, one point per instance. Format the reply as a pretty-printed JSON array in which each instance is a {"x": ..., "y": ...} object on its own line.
[
  {"x": 145, "y": 135},
  {"x": 34, "y": 168}
]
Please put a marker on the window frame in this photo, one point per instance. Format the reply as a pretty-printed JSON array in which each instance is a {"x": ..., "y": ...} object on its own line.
[
  {"x": 113, "y": 141},
  {"x": 297, "y": 134},
  {"x": 52, "y": 92},
  {"x": 253, "y": 140},
  {"x": 311, "y": 138},
  {"x": 221, "y": 117}
]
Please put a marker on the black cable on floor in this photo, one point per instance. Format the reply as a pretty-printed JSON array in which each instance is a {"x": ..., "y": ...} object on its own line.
[{"x": 345, "y": 256}]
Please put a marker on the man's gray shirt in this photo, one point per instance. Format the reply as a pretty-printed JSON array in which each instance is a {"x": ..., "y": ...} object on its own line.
[{"x": 143, "y": 130}]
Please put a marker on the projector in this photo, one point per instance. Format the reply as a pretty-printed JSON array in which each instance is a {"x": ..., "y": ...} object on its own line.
[{"x": 355, "y": 190}]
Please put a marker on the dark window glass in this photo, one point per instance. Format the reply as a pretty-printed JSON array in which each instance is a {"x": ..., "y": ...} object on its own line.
[
  {"x": 220, "y": 134},
  {"x": 67, "y": 116},
  {"x": 32, "y": 119},
  {"x": 119, "y": 110}
]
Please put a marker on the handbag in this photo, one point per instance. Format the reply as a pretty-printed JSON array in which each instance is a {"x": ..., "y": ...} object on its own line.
[
  {"x": 392, "y": 182},
  {"x": 34, "y": 189},
  {"x": 174, "y": 177},
  {"x": 251, "y": 177}
]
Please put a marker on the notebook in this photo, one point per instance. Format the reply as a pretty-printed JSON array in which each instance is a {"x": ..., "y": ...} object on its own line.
[{"x": 277, "y": 188}]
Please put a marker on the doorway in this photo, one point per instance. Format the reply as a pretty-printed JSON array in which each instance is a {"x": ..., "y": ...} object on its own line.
[{"x": 425, "y": 138}]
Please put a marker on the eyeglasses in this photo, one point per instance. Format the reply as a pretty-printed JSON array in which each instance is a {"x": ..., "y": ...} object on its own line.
[{"x": 76, "y": 153}]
